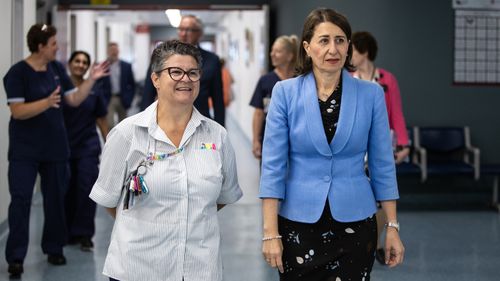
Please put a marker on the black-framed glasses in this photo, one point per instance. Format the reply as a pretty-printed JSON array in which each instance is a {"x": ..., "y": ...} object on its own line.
[{"x": 177, "y": 73}]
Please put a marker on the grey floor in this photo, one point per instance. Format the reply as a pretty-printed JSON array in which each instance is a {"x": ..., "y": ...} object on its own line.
[{"x": 445, "y": 244}]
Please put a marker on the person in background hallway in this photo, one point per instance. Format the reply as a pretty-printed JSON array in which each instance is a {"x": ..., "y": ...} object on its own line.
[
  {"x": 318, "y": 204},
  {"x": 363, "y": 57},
  {"x": 85, "y": 149},
  {"x": 190, "y": 31},
  {"x": 181, "y": 168},
  {"x": 38, "y": 144},
  {"x": 122, "y": 85},
  {"x": 227, "y": 80},
  {"x": 283, "y": 58}
]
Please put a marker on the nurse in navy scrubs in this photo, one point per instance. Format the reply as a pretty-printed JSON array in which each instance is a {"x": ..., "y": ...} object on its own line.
[
  {"x": 85, "y": 149},
  {"x": 38, "y": 144}
]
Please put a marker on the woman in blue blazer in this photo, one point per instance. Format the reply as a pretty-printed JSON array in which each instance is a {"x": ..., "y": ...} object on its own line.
[{"x": 318, "y": 203}]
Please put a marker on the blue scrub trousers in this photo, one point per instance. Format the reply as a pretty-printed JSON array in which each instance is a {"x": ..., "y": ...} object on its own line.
[
  {"x": 80, "y": 209},
  {"x": 22, "y": 176}
]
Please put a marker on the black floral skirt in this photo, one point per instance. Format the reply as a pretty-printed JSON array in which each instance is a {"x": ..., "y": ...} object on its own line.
[{"x": 328, "y": 250}]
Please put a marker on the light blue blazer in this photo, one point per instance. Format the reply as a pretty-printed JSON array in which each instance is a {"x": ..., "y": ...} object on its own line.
[{"x": 301, "y": 169}]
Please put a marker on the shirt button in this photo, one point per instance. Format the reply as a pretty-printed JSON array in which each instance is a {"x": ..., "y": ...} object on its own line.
[{"x": 326, "y": 178}]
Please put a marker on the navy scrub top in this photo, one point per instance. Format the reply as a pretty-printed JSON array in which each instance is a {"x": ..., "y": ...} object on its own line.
[
  {"x": 81, "y": 122},
  {"x": 42, "y": 137},
  {"x": 262, "y": 94}
]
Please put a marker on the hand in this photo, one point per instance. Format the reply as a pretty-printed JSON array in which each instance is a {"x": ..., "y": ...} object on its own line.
[
  {"x": 257, "y": 149},
  {"x": 54, "y": 98},
  {"x": 272, "y": 251},
  {"x": 100, "y": 70},
  {"x": 401, "y": 155},
  {"x": 394, "y": 249}
]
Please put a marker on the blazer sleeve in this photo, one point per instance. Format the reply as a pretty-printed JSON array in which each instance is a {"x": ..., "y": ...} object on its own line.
[
  {"x": 276, "y": 147},
  {"x": 129, "y": 82},
  {"x": 396, "y": 115},
  {"x": 380, "y": 155}
]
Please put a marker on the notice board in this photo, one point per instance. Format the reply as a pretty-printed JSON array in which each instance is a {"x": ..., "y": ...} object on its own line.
[{"x": 477, "y": 42}]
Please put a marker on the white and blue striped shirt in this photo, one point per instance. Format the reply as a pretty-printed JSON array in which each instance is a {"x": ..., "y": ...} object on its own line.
[{"x": 171, "y": 233}]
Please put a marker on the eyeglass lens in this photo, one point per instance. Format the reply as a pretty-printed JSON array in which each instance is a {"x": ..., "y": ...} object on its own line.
[{"x": 177, "y": 74}]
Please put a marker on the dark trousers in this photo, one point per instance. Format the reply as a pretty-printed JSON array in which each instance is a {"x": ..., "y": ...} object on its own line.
[
  {"x": 80, "y": 209},
  {"x": 22, "y": 176}
]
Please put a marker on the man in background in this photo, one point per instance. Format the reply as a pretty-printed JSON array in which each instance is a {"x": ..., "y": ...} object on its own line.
[{"x": 122, "y": 86}]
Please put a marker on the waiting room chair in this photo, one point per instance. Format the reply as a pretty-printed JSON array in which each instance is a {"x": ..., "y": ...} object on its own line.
[
  {"x": 416, "y": 160},
  {"x": 448, "y": 151}
]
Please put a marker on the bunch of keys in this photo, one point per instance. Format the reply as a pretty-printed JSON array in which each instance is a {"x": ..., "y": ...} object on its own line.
[{"x": 136, "y": 185}]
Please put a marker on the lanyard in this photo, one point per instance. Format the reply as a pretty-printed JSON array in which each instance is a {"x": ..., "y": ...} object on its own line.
[{"x": 135, "y": 184}]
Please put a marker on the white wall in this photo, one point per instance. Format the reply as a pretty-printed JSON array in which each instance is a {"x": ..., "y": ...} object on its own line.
[
  {"x": 142, "y": 55},
  {"x": 29, "y": 19},
  {"x": 6, "y": 60},
  {"x": 123, "y": 34},
  {"x": 245, "y": 65},
  {"x": 132, "y": 44},
  {"x": 101, "y": 40},
  {"x": 61, "y": 22},
  {"x": 85, "y": 33}
]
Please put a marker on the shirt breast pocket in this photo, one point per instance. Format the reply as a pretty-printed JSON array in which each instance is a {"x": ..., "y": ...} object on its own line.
[{"x": 209, "y": 167}]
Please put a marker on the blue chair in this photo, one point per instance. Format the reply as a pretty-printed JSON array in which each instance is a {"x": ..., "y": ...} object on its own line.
[
  {"x": 414, "y": 164},
  {"x": 448, "y": 151}
]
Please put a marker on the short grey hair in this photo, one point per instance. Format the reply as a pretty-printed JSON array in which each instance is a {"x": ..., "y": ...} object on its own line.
[
  {"x": 201, "y": 26},
  {"x": 173, "y": 47}
]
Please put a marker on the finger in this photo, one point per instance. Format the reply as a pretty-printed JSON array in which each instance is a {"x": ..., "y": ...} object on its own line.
[
  {"x": 400, "y": 258},
  {"x": 272, "y": 263},
  {"x": 395, "y": 259},
  {"x": 279, "y": 263}
]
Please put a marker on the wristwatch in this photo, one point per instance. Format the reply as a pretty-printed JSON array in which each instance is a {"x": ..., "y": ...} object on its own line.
[{"x": 393, "y": 224}]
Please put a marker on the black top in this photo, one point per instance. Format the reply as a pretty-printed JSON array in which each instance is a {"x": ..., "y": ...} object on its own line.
[
  {"x": 330, "y": 111},
  {"x": 81, "y": 122},
  {"x": 262, "y": 95},
  {"x": 42, "y": 137}
]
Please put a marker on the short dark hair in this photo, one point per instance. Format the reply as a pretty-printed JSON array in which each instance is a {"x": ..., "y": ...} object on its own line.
[
  {"x": 317, "y": 16},
  {"x": 364, "y": 42},
  {"x": 39, "y": 34},
  {"x": 173, "y": 47},
  {"x": 76, "y": 53}
]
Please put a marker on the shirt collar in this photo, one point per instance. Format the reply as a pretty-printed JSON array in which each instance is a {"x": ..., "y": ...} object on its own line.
[{"x": 147, "y": 119}]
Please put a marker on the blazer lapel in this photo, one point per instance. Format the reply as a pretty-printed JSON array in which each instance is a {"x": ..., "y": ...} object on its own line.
[
  {"x": 348, "y": 108},
  {"x": 313, "y": 116}
]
